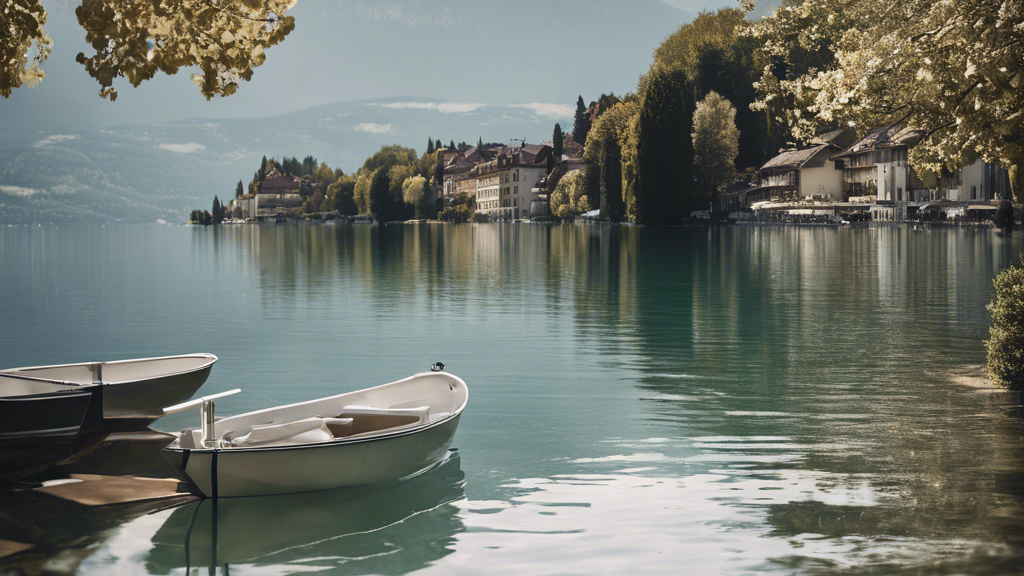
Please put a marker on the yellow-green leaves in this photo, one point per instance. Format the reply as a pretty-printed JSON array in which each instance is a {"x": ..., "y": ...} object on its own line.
[
  {"x": 23, "y": 44},
  {"x": 225, "y": 39},
  {"x": 135, "y": 39}
]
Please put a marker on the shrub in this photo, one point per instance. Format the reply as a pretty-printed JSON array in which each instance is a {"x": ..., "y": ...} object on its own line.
[
  {"x": 1006, "y": 336},
  {"x": 455, "y": 214}
]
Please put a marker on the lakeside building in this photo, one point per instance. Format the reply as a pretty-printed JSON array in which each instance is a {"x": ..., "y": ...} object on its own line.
[
  {"x": 878, "y": 165},
  {"x": 276, "y": 194},
  {"x": 507, "y": 184},
  {"x": 502, "y": 179},
  {"x": 870, "y": 178},
  {"x": 797, "y": 174}
]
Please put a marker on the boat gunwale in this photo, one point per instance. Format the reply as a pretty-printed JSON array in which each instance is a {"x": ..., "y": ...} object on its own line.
[
  {"x": 335, "y": 442},
  {"x": 16, "y": 372}
]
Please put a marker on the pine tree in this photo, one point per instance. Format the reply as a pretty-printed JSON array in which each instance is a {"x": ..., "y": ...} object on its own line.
[
  {"x": 451, "y": 146},
  {"x": 239, "y": 190},
  {"x": 215, "y": 212},
  {"x": 480, "y": 143},
  {"x": 430, "y": 146},
  {"x": 438, "y": 145},
  {"x": 263, "y": 169},
  {"x": 581, "y": 126},
  {"x": 557, "y": 143}
]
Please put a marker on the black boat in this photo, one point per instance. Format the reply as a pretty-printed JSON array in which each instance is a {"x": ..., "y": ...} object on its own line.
[{"x": 39, "y": 421}]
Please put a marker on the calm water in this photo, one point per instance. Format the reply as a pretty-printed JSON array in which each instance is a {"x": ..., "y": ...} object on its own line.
[{"x": 717, "y": 401}]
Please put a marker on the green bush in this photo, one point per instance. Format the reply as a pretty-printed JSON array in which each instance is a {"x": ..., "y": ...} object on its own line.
[
  {"x": 1006, "y": 336},
  {"x": 455, "y": 214}
]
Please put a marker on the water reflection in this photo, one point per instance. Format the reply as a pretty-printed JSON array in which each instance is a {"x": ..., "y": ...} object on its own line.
[
  {"x": 391, "y": 529},
  {"x": 732, "y": 399}
]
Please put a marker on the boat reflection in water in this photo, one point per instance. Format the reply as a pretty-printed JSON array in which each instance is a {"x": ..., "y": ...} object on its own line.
[{"x": 372, "y": 526}]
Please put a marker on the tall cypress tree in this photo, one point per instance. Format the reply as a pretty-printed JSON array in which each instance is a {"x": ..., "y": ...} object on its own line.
[
  {"x": 430, "y": 145},
  {"x": 215, "y": 212},
  {"x": 557, "y": 143},
  {"x": 263, "y": 169},
  {"x": 664, "y": 157},
  {"x": 581, "y": 126},
  {"x": 452, "y": 146},
  {"x": 613, "y": 208},
  {"x": 438, "y": 145},
  {"x": 239, "y": 190},
  {"x": 480, "y": 143},
  {"x": 381, "y": 201}
]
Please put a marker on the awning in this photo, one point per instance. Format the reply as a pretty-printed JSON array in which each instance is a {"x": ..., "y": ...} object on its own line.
[
  {"x": 982, "y": 207},
  {"x": 809, "y": 212}
]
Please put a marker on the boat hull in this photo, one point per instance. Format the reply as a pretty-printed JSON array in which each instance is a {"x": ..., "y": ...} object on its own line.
[
  {"x": 40, "y": 429},
  {"x": 128, "y": 394},
  {"x": 42, "y": 418},
  {"x": 143, "y": 401},
  {"x": 334, "y": 464}
]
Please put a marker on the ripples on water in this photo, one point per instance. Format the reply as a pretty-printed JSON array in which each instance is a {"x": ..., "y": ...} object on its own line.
[{"x": 712, "y": 400}]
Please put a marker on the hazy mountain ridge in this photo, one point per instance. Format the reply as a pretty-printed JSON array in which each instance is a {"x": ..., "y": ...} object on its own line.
[{"x": 146, "y": 172}]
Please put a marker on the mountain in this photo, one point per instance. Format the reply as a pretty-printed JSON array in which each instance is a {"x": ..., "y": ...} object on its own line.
[
  {"x": 342, "y": 50},
  {"x": 159, "y": 171}
]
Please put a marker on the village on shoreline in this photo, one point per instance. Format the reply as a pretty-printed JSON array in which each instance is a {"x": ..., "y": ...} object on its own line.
[
  {"x": 736, "y": 120},
  {"x": 838, "y": 179}
]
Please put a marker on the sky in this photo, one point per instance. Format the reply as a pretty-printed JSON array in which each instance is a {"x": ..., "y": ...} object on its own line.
[{"x": 480, "y": 51}]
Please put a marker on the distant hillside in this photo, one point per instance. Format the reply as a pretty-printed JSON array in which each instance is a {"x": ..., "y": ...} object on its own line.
[{"x": 146, "y": 172}]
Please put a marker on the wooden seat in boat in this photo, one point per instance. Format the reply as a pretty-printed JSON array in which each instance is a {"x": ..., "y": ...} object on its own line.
[{"x": 366, "y": 419}]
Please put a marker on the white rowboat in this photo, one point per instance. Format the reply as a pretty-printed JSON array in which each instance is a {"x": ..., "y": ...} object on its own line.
[{"x": 361, "y": 437}]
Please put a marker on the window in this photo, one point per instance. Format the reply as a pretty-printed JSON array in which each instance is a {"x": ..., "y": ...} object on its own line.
[
  {"x": 515, "y": 176},
  {"x": 974, "y": 192},
  {"x": 517, "y": 190},
  {"x": 899, "y": 194}
]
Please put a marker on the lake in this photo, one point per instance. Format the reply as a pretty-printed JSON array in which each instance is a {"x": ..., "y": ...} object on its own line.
[{"x": 712, "y": 400}]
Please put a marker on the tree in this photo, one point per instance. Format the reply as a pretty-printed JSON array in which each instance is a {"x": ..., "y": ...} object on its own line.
[
  {"x": 451, "y": 146},
  {"x": 217, "y": 212},
  {"x": 389, "y": 156},
  {"x": 361, "y": 193},
  {"x": 1006, "y": 335},
  {"x": 605, "y": 103},
  {"x": 716, "y": 52},
  {"x": 952, "y": 69},
  {"x": 254, "y": 184},
  {"x": 239, "y": 190},
  {"x": 21, "y": 34},
  {"x": 569, "y": 198},
  {"x": 664, "y": 149},
  {"x": 135, "y": 39},
  {"x": 581, "y": 126},
  {"x": 397, "y": 176},
  {"x": 708, "y": 30},
  {"x": 558, "y": 143},
  {"x": 309, "y": 165},
  {"x": 603, "y": 156},
  {"x": 263, "y": 169},
  {"x": 381, "y": 201},
  {"x": 480, "y": 143},
  {"x": 715, "y": 146},
  {"x": 437, "y": 145},
  {"x": 430, "y": 146},
  {"x": 341, "y": 196},
  {"x": 417, "y": 193}
]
